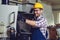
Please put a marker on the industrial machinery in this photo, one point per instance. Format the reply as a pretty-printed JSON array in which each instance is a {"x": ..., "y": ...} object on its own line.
[
  {"x": 23, "y": 29},
  {"x": 13, "y": 28},
  {"x": 8, "y": 16}
]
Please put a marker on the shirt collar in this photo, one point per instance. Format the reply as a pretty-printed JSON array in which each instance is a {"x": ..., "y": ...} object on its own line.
[{"x": 39, "y": 17}]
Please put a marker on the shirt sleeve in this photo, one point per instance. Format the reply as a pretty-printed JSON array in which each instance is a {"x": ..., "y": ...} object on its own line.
[{"x": 41, "y": 23}]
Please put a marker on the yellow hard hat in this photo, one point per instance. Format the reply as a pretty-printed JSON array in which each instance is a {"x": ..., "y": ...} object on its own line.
[{"x": 38, "y": 5}]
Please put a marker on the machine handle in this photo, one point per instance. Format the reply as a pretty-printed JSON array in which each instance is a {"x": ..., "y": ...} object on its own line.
[{"x": 13, "y": 13}]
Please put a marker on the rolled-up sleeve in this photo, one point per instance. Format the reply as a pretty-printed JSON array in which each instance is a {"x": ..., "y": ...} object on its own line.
[{"x": 41, "y": 23}]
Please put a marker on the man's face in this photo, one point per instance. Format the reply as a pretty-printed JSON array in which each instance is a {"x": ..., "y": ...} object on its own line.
[{"x": 37, "y": 12}]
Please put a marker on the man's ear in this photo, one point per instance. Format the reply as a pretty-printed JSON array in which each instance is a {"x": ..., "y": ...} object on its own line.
[{"x": 41, "y": 11}]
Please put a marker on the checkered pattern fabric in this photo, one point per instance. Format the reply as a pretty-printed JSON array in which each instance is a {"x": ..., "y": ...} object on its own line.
[{"x": 41, "y": 22}]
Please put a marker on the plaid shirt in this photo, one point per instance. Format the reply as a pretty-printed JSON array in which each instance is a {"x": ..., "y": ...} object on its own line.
[{"x": 41, "y": 22}]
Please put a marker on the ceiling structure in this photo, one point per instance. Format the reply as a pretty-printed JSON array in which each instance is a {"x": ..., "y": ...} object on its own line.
[{"x": 55, "y": 4}]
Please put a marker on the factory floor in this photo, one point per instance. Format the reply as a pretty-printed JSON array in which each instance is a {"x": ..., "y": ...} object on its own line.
[
  {"x": 4, "y": 39},
  {"x": 9, "y": 39}
]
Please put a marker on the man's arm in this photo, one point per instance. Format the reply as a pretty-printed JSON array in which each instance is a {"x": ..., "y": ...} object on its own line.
[
  {"x": 31, "y": 22},
  {"x": 40, "y": 23}
]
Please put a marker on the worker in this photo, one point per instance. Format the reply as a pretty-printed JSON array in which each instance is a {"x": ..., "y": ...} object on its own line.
[{"x": 39, "y": 25}]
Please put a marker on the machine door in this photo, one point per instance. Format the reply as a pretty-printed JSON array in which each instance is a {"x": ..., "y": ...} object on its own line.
[{"x": 8, "y": 15}]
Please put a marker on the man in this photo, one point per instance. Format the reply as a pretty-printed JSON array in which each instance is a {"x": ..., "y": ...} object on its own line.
[{"x": 39, "y": 24}]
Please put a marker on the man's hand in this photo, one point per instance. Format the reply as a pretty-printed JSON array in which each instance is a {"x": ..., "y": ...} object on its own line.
[{"x": 23, "y": 19}]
